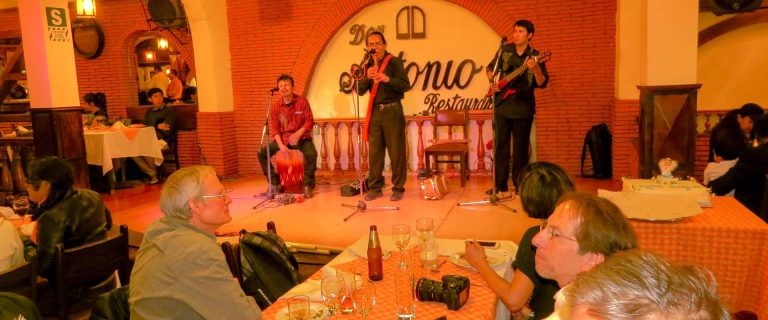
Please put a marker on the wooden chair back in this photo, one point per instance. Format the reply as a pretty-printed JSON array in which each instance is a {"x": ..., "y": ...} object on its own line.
[
  {"x": 22, "y": 279},
  {"x": 450, "y": 119},
  {"x": 87, "y": 264}
]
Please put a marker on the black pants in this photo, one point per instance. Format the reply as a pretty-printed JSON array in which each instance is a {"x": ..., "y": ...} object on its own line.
[
  {"x": 386, "y": 132},
  {"x": 520, "y": 131},
  {"x": 306, "y": 146}
]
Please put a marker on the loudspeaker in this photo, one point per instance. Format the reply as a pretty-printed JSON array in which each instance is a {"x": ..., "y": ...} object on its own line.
[
  {"x": 167, "y": 13},
  {"x": 720, "y": 7}
]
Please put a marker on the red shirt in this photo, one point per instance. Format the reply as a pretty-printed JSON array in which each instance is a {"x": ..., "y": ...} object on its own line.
[{"x": 287, "y": 118}]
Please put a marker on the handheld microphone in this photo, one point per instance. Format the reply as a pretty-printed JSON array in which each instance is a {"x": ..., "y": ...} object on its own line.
[
  {"x": 504, "y": 39},
  {"x": 275, "y": 89},
  {"x": 372, "y": 51}
]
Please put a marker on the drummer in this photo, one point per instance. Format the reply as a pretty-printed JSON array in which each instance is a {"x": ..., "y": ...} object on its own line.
[{"x": 290, "y": 125}]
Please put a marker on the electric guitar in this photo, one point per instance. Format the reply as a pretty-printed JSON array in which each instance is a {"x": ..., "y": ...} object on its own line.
[{"x": 504, "y": 92}]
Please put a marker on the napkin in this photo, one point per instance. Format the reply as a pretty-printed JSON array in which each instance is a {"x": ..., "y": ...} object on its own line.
[{"x": 118, "y": 125}]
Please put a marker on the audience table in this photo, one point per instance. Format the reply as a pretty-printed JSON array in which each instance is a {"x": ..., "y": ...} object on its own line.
[
  {"x": 103, "y": 145},
  {"x": 727, "y": 239},
  {"x": 482, "y": 303}
]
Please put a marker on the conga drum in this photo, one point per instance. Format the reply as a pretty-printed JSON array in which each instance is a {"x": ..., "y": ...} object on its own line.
[
  {"x": 434, "y": 188},
  {"x": 290, "y": 167}
]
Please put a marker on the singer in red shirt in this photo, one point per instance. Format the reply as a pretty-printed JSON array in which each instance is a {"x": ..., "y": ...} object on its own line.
[{"x": 290, "y": 125}]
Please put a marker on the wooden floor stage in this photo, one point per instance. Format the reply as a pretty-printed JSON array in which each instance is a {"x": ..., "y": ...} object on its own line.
[{"x": 319, "y": 220}]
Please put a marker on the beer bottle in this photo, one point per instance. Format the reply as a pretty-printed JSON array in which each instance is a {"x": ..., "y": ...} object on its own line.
[{"x": 375, "y": 269}]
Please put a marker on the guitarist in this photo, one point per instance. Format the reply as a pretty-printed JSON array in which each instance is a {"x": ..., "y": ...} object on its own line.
[{"x": 515, "y": 103}]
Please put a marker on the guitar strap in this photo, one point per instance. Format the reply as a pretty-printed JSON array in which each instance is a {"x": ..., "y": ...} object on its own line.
[{"x": 374, "y": 90}]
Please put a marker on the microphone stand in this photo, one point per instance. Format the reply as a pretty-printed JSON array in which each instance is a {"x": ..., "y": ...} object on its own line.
[
  {"x": 265, "y": 134},
  {"x": 494, "y": 198},
  {"x": 357, "y": 74}
]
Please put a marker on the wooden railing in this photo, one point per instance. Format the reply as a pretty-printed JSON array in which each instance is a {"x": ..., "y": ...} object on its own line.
[{"x": 336, "y": 139}]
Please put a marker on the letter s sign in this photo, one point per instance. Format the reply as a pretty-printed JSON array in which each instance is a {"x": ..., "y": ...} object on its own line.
[{"x": 56, "y": 17}]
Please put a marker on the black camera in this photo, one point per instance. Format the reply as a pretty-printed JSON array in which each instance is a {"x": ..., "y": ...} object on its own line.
[{"x": 453, "y": 291}]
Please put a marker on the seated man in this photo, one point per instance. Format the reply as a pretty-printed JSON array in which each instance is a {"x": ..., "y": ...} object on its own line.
[
  {"x": 583, "y": 231},
  {"x": 747, "y": 177},
  {"x": 180, "y": 271},
  {"x": 290, "y": 124},
  {"x": 641, "y": 285},
  {"x": 163, "y": 119}
]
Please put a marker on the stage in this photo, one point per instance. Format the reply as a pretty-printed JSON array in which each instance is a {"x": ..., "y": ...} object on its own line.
[{"x": 319, "y": 220}]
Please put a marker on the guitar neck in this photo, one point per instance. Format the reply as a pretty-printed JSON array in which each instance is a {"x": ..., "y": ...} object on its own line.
[{"x": 515, "y": 73}]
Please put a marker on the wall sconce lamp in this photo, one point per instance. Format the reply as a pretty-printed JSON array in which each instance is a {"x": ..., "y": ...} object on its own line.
[
  {"x": 86, "y": 8},
  {"x": 150, "y": 56},
  {"x": 162, "y": 43}
]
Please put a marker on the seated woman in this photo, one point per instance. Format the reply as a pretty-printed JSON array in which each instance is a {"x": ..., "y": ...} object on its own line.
[
  {"x": 737, "y": 120},
  {"x": 528, "y": 296},
  {"x": 95, "y": 107},
  {"x": 64, "y": 214}
]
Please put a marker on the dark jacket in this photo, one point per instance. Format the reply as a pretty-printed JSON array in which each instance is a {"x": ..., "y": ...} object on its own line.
[
  {"x": 747, "y": 177},
  {"x": 80, "y": 217}
]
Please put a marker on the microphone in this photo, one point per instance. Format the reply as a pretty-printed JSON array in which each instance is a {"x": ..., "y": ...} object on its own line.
[
  {"x": 372, "y": 51},
  {"x": 275, "y": 89},
  {"x": 504, "y": 39}
]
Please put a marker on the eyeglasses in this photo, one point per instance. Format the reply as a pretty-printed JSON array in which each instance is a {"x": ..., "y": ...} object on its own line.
[
  {"x": 222, "y": 195},
  {"x": 551, "y": 232}
]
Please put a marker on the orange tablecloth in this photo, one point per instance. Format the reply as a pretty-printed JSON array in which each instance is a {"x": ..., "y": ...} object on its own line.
[
  {"x": 481, "y": 303},
  {"x": 727, "y": 239}
]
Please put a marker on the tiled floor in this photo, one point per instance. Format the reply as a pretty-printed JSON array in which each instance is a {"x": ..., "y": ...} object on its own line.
[{"x": 320, "y": 220}]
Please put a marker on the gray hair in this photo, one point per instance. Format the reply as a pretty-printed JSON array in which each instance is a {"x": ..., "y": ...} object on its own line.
[
  {"x": 637, "y": 284},
  {"x": 183, "y": 185}
]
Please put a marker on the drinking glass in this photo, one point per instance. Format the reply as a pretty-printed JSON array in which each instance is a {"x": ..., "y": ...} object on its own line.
[
  {"x": 298, "y": 307},
  {"x": 428, "y": 256},
  {"x": 363, "y": 295},
  {"x": 21, "y": 205},
  {"x": 346, "y": 306},
  {"x": 332, "y": 289},
  {"x": 401, "y": 234},
  {"x": 404, "y": 294}
]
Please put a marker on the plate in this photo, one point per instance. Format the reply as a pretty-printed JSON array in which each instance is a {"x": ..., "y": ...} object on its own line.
[
  {"x": 316, "y": 311},
  {"x": 495, "y": 259}
]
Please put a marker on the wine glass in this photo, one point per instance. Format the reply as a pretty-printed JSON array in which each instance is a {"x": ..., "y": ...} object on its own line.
[
  {"x": 401, "y": 234},
  {"x": 332, "y": 288},
  {"x": 363, "y": 295},
  {"x": 21, "y": 205}
]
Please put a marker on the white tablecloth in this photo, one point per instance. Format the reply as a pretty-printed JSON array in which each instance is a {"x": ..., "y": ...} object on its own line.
[{"x": 101, "y": 146}]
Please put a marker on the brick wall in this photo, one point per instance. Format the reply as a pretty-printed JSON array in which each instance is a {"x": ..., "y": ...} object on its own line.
[
  {"x": 268, "y": 38},
  {"x": 626, "y": 138}
]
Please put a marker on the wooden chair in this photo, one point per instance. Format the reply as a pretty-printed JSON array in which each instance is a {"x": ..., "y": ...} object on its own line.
[
  {"x": 87, "y": 264},
  {"x": 21, "y": 280},
  {"x": 170, "y": 155},
  {"x": 451, "y": 147}
]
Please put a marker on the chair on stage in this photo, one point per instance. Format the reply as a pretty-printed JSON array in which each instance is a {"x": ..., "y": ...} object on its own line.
[
  {"x": 21, "y": 280},
  {"x": 170, "y": 155},
  {"x": 90, "y": 266},
  {"x": 450, "y": 147}
]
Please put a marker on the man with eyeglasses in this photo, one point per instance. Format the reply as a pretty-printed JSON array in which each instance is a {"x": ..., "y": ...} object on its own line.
[
  {"x": 180, "y": 272},
  {"x": 385, "y": 121},
  {"x": 583, "y": 231}
]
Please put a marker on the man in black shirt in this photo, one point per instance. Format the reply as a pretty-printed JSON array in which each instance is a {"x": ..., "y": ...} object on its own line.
[
  {"x": 385, "y": 122},
  {"x": 515, "y": 103}
]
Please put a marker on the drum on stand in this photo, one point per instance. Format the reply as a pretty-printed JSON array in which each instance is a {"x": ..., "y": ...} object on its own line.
[{"x": 290, "y": 167}]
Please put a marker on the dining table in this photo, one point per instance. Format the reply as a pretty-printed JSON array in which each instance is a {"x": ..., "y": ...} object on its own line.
[
  {"x": 481, "y": 304},
  {"x": 728, "y": 240},
  {"x": 102, "y": 145}
]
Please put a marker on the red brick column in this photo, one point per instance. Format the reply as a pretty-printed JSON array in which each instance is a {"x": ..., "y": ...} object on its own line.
[
  {"x": 216, "y": 134},
  {"x": 626, "y": 135}
]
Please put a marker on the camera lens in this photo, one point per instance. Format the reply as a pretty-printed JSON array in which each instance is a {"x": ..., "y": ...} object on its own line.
[{"x": 429, "y": 290}]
